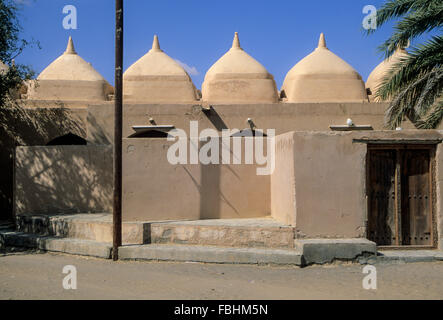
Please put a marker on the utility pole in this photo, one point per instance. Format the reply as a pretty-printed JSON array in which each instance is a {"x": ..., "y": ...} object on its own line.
[{"x": 118, "y": 124}]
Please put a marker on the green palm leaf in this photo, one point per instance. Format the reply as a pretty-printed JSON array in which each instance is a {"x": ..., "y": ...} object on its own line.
[{"x": 414, "y": 85}]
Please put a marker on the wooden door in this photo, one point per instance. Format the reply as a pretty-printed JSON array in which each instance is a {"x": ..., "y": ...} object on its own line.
[
  {"x": 382, "y": 195},
  {"x": 399, "y": 190},
  {"x": 416, "y": 198}
]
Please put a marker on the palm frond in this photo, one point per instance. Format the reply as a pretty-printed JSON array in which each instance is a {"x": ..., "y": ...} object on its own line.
[
  {"x": 434, "y": 118},
  {"x": 413, "y": 25},
  {"x": 423, "y": 58},
  {"x": 397, "y": 8}
]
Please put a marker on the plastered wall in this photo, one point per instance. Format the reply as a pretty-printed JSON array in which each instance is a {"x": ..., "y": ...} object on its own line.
[
  {"x": 324, "y": 194},
  {"x": 283, "y": 117},
  {"x": 63, "y": 179},
  {"x": 154, "y": 189}
]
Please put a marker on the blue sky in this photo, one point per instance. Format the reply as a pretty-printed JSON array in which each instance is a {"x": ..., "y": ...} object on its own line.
[{"x": 277, "y": 33}]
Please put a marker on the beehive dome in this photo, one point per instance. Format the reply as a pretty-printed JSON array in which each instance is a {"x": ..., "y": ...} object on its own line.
[
  {"x": 70, "y": 78},
  {"x": 323, "y": 77},
  {"x": 157, "y": 78},
  {"x": 376, "y": 77},
  {"x": 238, "y": 78}
]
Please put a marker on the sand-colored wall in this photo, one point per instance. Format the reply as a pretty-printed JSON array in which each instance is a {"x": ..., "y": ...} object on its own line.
[
  {"x": 329, "y": 185},
  {"x": 283, "y": 117},
  {"x": 329, "y": 180},
  {"x": 283, "y": 190},
  {"x": 24, "y": 125},
  {"x": 63, "y": 179},
  {"x": 154, "y": 189}
]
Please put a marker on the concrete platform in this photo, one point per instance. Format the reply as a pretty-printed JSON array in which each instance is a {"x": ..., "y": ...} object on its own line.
[
  {"x": 47, "y": 243},
  {"x": 210, "y": 254},
  {"x": 321, "y": 251},
  {"x": 95, "y": 227},
  {"x": 245, "y": 241},
  {"x": 249, "y": 233}
]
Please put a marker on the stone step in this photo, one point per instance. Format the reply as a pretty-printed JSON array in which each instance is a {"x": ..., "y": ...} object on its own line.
[
  {"x": 249, "y": 233},
  {"x": 239, "y": 234},
  {"x": 322, "y": 251},
  {"x": 211, "y": 254},
  {"x": 48, "y": 243},
  {"x": 95, "y": 227}
]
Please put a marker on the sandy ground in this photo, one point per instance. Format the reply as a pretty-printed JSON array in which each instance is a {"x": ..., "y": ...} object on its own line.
[{"x": 31, "y": 275}]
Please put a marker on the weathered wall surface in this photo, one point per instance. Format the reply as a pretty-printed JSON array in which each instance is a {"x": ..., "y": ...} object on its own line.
[
  {"x": 283, "y": 117},
  {"x": 329, "y": 179},
  {"x": 283, "y": 190},
  {"x": 330, "y": 174},
  {"x": 154, "y": 189},
  {"x": 63, "y": 179},
  {"x": 20, "y": 126}
]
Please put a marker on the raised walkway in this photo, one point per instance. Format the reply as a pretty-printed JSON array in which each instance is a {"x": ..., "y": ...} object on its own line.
[{"x": 235, "y": 241}]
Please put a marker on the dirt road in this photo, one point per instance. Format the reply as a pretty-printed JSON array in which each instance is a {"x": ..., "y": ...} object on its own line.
[{"x": 39, "y": 276}]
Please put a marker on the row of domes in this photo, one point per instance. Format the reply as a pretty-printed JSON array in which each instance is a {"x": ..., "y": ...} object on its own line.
[{"x": 235, "y": 78}]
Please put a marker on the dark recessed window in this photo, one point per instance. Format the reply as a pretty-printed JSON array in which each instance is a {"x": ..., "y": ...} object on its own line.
[{"x": 69, "y": 139}]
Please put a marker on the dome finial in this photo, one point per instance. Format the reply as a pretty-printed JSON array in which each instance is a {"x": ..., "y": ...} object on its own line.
[
  {"x": 70, "y": 48},
  {"x": 156, "y": 44},
  {"x": 322, "y": 41},
  {"x": 236, "y": 42}
]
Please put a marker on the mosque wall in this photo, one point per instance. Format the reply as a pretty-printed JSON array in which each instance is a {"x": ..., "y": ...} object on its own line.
[
  {"x": 281, "y": 117},
  {"x": 155, "y": 190},
  {"x": 63, "y": 179},
  {"x": 283, "y": 189},
  {"x": 326, "y": 182},
  {"x": 23, "y": 124},
  {"x": 329, "y": 182}
]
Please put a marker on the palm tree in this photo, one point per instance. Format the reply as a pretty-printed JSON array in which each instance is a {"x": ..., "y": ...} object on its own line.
[{"x": 414, "y": 84}]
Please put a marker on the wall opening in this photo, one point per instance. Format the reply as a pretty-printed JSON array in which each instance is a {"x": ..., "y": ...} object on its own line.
[{"x": 69, "y": 139}]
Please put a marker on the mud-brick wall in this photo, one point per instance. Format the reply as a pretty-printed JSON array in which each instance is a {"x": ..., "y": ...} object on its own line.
[
  {"x": 63, "y": 179},
  {"x": 24, "y": 126},
  {"x": 319, "y": 184},
  {"x": 154, "y": 189},
  {"x": 322, "y": 193}
]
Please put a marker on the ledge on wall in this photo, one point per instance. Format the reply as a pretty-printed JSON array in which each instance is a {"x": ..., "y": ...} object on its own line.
[{"x": 351, "y": 128}]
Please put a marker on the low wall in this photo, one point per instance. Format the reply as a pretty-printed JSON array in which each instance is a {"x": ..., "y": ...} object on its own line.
[
  {"x": 63, "y": 179},
  {"x": 154, "y": 189},
  {"x": 21, "y": 125}
]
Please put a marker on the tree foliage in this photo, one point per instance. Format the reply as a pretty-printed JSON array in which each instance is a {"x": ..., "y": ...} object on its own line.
[
  {"x": 414, "y": 85},
  {"x": 11, "y": 45}
]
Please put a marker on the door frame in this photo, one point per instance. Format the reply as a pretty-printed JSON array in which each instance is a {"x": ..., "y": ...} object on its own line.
[{"x": 432, "y": 183}]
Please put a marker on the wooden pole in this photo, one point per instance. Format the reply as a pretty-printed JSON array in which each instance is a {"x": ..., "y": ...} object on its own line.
[{"x": 118, "y": 121}]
